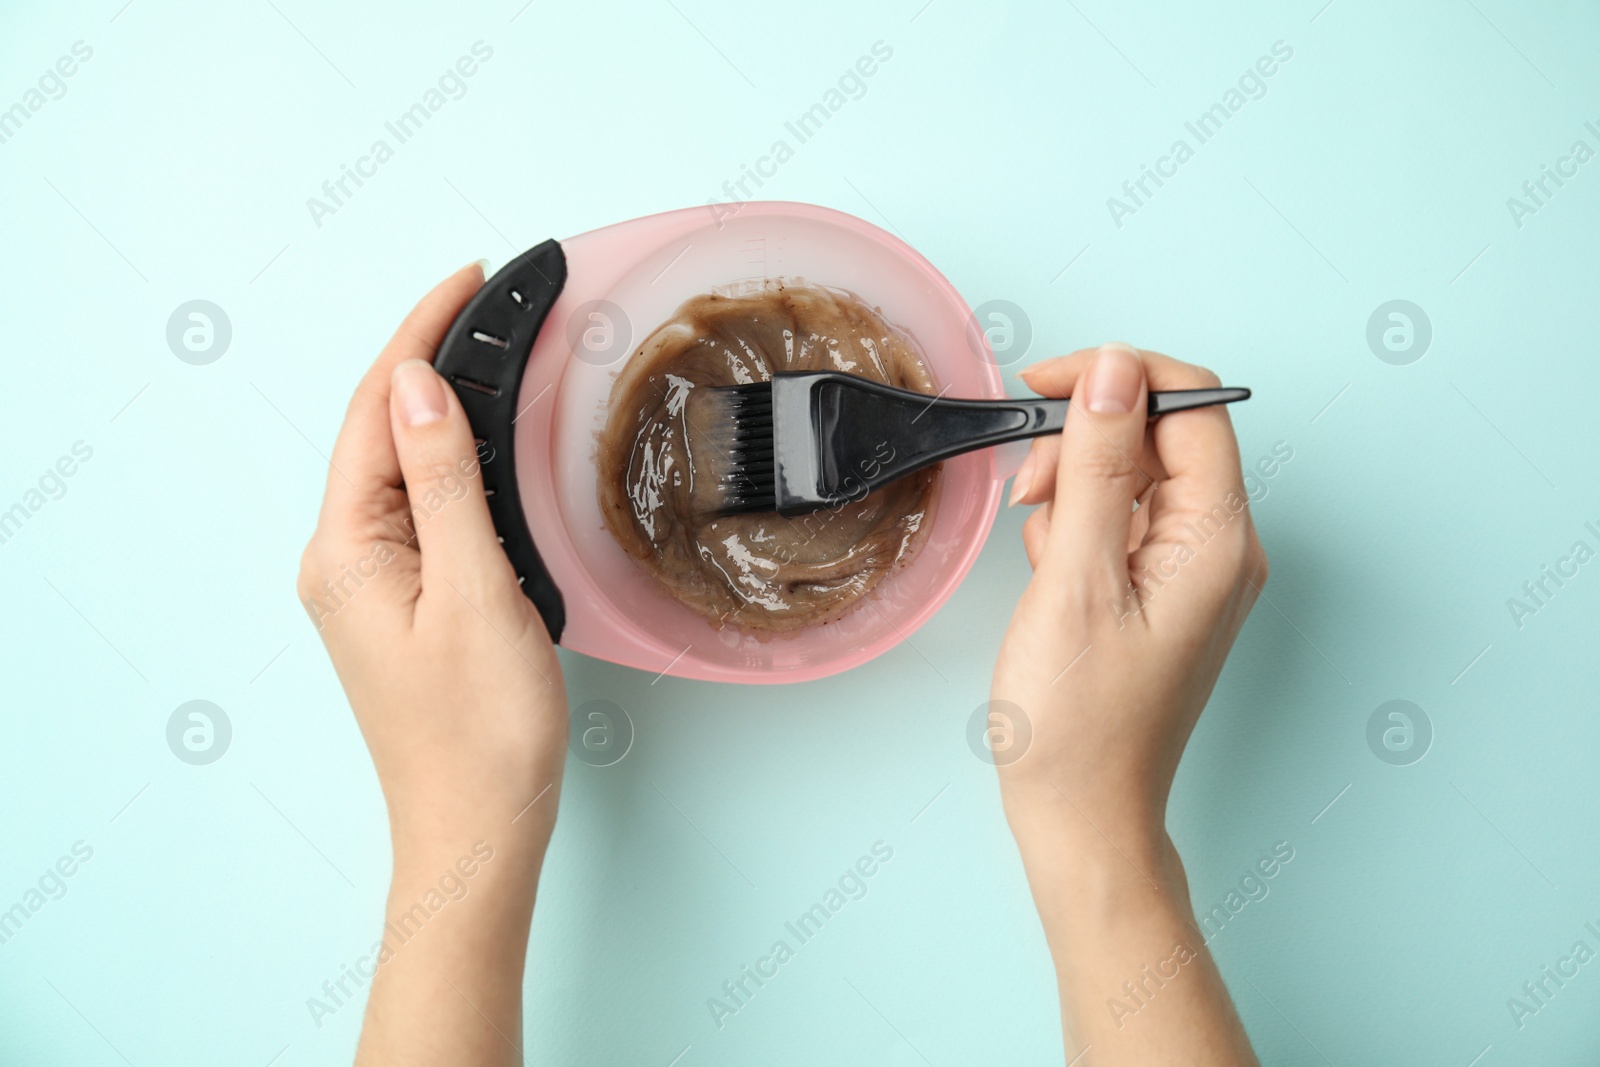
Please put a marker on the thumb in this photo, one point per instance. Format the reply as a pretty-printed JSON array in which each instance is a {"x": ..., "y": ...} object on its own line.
[
  {"x": 1099, "y": 476},
  {"x": 439, "y": 462}
]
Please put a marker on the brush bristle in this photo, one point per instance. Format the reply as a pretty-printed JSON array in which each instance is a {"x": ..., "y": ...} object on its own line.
[{"x": 744, "y": 417}]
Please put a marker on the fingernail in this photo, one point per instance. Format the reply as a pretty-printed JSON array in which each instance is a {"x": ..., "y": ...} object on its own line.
[
  {"x": 1021, "y": 482},
  {"x": 1114, "y": 378},
  {"x": 420, "y": 393},
  {"x": 482, "y": 265}
]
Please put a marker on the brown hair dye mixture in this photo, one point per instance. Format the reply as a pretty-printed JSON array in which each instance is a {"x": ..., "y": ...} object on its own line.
[{"x": 659, "y": 457}]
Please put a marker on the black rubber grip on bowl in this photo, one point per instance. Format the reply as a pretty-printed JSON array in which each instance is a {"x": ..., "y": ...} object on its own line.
[{"x": 483, "y": 357}]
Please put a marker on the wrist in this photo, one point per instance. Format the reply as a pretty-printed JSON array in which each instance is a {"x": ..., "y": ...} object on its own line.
[
  {"x": 1094, "y": 891},
  {"x": 496, "y": 855},
  {"x": 432, "y": 829},
  {"x": 1086, "y": 819},
  {"x": 474, "y": 890},
  {"x": 1087, "y": 858}
]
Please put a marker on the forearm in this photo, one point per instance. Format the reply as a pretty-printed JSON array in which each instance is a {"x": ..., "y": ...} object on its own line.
[
  {"x": 1136, "y": 981},
  {"x": 448, "y": 989}
]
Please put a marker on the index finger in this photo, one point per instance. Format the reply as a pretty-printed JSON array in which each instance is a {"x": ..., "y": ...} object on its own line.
[{"x": 364, "y": 462}]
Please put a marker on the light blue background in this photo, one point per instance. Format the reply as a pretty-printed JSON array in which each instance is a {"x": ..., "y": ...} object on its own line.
[{"x": 1418, "y": 500}]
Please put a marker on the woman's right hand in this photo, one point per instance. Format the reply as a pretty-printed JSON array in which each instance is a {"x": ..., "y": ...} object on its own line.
[
  {"x": 1118, "y": 640},
  {"x": 1110, "y": 658}
]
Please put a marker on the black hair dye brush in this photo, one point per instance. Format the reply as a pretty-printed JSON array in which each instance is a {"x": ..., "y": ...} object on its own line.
[{"x": 810, "y": 440}]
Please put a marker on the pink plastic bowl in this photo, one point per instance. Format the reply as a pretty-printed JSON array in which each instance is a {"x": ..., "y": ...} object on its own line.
[{"x": 625, "y": 280}]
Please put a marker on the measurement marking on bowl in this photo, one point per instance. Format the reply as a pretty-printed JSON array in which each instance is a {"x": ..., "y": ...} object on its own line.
[{"x": 755, "y": 251}]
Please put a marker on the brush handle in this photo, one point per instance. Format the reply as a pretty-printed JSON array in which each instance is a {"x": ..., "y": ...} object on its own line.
[
  {"x": 1050, "y": 415},
  {"x": 904, "y": 432}
]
